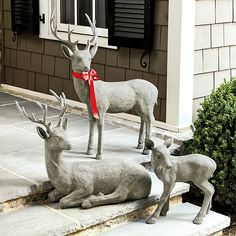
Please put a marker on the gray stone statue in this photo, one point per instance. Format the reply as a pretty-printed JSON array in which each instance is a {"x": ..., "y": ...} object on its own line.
[
  {"x": 113, "y": 97},
  {"x": 170, "y": 169},
  {"x": 87, "y": 184}
]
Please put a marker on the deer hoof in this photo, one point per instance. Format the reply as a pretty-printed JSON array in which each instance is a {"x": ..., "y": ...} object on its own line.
[
  {"x": 151, "y": 220},
  {"x": 54, "y": 196},
  {"x": 146, "y": 152},
  {"x": 140, "y": 146},
  {"x": 86, "y": 204},
  {"x": 51, "y": 197},
  {"x": 163, "y": 213},
  {"x": 63, "y": 205},
  {"x": 198, "y": 220},
  {"x": 99, "y": 156},
  {"x": 90, "y": 151}
]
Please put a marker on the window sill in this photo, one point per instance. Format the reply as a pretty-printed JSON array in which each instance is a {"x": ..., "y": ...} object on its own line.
[{"x": 102, "y": 41}]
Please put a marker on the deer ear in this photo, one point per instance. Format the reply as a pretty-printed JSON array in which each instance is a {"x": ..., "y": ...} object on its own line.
[
  {"x": 168, "y": 142},
  {"x": 149, "y": 144},
  {"x": 64, "y": 124},
  {"x": 42, "y": 133},
  {"x": 93, "y": 50},
  {"x": 66, "y": 51}
]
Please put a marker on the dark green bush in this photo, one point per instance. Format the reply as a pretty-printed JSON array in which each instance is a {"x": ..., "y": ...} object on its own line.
[{"x": 215, "y": 136}]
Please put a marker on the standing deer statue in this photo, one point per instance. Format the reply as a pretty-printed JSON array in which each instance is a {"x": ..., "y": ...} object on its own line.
[
  {"x": 170, "y": 169},
  {"x": 87, "y": 184},
  {"x": 113, "y": 97}
]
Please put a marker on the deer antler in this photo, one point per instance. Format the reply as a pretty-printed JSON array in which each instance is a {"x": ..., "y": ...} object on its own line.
[
  {"x": 44, "y": 108},
  {"x": 54, "y": 32},
  {"x": 62, "y": 100},
  {"x": 94, "y": 31},
  {"x": 33, "y": 118}
]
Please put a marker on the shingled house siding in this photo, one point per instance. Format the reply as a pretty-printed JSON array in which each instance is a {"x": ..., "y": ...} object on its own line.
[
  {"x": 38, "y": 64},
  {"x": 1, "y": 54},
  {"x": 215, "y": 47}
]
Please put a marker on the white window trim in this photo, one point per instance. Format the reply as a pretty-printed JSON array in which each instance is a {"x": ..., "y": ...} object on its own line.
[{"x": 81, "y": 33}]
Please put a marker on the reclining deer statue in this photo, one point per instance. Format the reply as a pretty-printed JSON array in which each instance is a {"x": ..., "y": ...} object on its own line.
[
  {"x": 86, "y": 183},
  {"x": 170, "y": 169},
  {"x": 113, "y": 97}
]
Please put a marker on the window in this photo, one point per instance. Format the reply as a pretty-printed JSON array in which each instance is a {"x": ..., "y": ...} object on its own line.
[
  {"x": 73, "y": 12},
  {"x": 130, "y": 22}
]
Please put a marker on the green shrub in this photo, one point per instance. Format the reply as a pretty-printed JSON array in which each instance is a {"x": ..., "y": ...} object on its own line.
[{"x": 215, "y": 136}]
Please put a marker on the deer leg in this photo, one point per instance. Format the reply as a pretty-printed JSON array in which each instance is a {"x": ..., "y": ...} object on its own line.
[
  {"x": 208, "y": 193},
  {"x": 141, "y": 135},
  {"x": 148, "y": 122},
  {"x": 100, "y": 124},
  {"x": 168, "y": 187},
  {"x": 92, "y": 122},
  {"x": 71, "y": 199},
  {"x": 209, "y": 207},
  {"x": 55, "y": 196},
  {"x": 166, "y": 207},
  {"x": 115, "y": 197},
  {"x": 78, "y": 202}
]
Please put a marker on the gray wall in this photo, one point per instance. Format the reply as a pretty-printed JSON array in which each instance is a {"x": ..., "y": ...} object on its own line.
[{"x": 215, "y": 46}]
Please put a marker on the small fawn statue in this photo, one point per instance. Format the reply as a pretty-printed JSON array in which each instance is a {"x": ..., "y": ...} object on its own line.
[
  {"x": 85, "y": 183},
  {"x": 113, "y": 97},
  {"x": 170, "y": 169}
]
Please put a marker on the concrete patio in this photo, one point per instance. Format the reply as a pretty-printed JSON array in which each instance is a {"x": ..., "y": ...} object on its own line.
[
  {"x": 22, "y": 150},
  {"x": 24, "y": 178}
]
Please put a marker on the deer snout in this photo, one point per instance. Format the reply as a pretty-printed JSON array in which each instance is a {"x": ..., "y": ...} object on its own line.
[
  {"x": 168, "y": 163},
  {"x": 69, "y": 146},
  {"x": 169, "y": 166},
  {"x": 86, "y": 69}
]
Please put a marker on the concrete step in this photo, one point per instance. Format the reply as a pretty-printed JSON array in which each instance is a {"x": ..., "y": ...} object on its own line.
[
  {"x": 49, "y": 219},
  {"x": 177, "y": 222}
]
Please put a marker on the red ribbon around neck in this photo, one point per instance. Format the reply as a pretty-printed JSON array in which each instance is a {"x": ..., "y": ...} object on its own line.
[{"x": 90, "y": 77}]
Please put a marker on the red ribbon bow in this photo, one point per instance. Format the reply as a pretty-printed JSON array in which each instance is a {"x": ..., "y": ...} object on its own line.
[{"x": 90, "y": 77}]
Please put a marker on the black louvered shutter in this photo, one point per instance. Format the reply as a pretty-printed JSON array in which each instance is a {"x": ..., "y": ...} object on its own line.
[
  {"x": 130, "y": 23},
  {"x": 25, "y": 16}
]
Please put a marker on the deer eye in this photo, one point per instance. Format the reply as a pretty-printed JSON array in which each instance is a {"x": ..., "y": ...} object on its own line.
[
  {"x": 158, "y": 154},
  {"x": 57, "y": 139},
  {"x": 78, "y": 59}
]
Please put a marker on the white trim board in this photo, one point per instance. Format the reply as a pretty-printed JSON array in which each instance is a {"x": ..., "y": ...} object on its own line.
[{"x": 180, "y": 65}]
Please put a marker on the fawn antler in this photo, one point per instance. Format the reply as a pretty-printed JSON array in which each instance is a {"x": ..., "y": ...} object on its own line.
[{"x": 54, "y": 32}]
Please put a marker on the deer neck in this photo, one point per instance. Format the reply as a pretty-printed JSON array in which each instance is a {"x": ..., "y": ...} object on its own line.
[
  {"x": 81, "y": 89},
  {"x": 54, "y": 164}
]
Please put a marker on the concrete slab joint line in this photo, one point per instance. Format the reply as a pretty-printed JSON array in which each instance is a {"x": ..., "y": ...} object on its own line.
[
  {"x": 20, "y": 176},
  {"x": 66, "y": 216}
]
